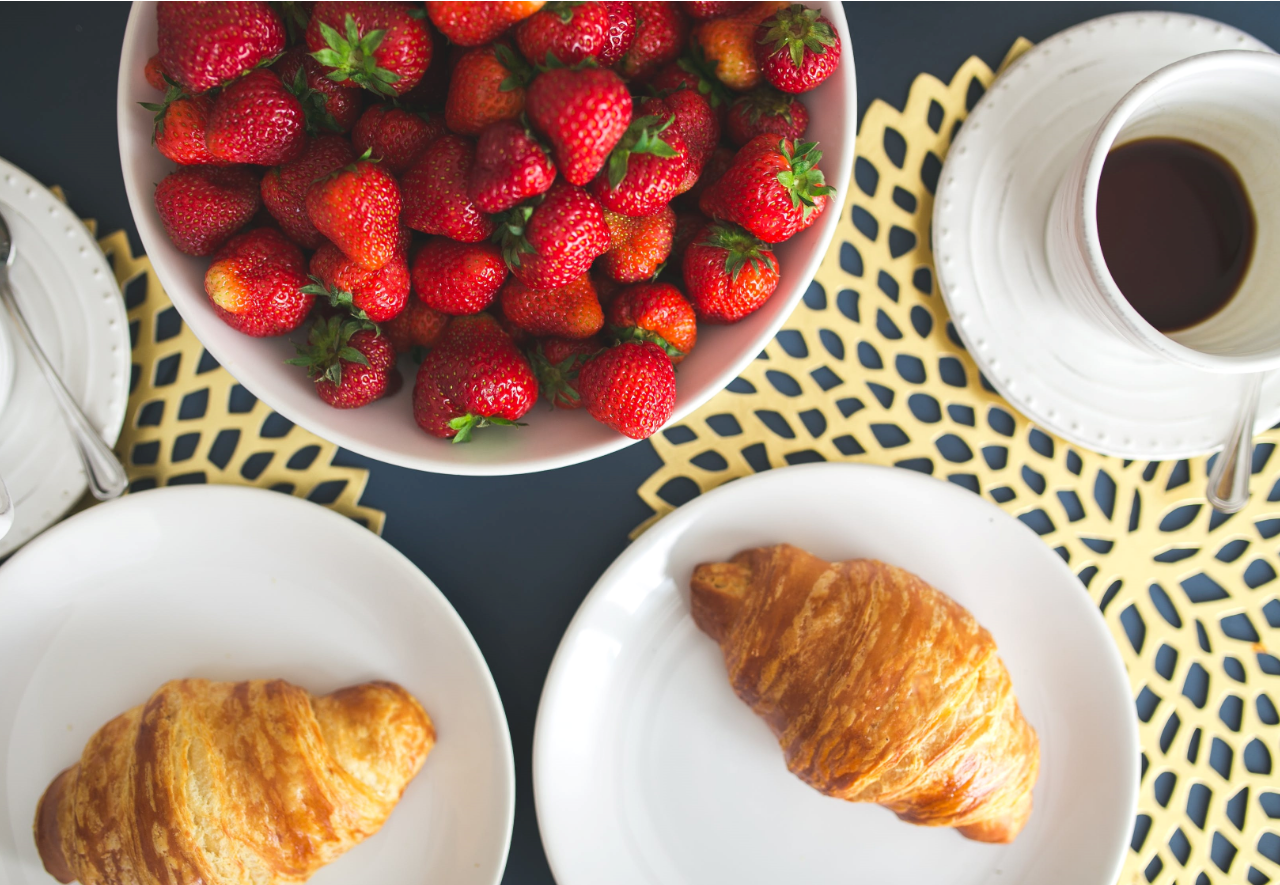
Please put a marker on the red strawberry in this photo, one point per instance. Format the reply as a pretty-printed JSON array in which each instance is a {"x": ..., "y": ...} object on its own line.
[
  {"x": 284, "y": 188},
  {"x": 488, "y": 85},
  {"x": 567, "y": 33},
  {"x": 797, "y": 48},
  {"x": 774, "y": 188},
  {"x": 556, "y": 362},
  {"x": 256, "y": 283},
  {"x": 729, "y": 45},
  {"x": 688, "y": 226},
  {"x": 696, "y": 123},
  {"x": 691, "y": 71},
  {"x": 351, "y": 365},
  {"x": 766, "y": 111},
  {"x": 717, "y": 165},
  {"x": 394, "y": 136},
  {"x": 358, "y": 208},
  {"x": 202, "y": 206},
  {"x": 655, "y": 312},
  {"x": 458, "y": 278},
  {"x": 571, "y": 311},
  {"x": 552, "y": 243},
  {"x": 256, "y": 120},
  {"x": 474, "y": 376},
  {"x": 154, "y": 72},
  {"x": 383, "y": 47},
  {"x": 661, "y": 32},
  {"x": 606, "y": 288},
  {"x": 639, "y": 246},
  {"x": 647, "y": 167},
  {"x": 203, "y": 45},
  {"x": 435, "y": 192},
  {"x": 620, "y": 34},
  {"x": 631, "y": 388},
  {"x": 701, "y": 11},
  {"x": 728, "y": 273},
  {"x": 180, "y": 125},
  {"x": 376, "y": 295},
  {"x": 416, "y": 326},
  {"x": 583, "y": 114},
  {"x": 328, "y": 106},
  {"x": 476, "y": 23},
  {"x": 510, "y": 167}
]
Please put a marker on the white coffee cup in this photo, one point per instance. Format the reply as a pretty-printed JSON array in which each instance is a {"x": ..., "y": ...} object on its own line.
[{"x": 1228, "y": 102}]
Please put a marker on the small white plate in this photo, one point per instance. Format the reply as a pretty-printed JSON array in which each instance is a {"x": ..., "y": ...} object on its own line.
[
  {"x": 70, "y": 298},
  {"x": 1083, "y": 384},
  {"x": 234, "y": 583},
  {"x": 648, "y": 770}
]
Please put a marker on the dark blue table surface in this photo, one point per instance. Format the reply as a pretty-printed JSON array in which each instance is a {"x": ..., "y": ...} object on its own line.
[{"x": 514, "y": 555}]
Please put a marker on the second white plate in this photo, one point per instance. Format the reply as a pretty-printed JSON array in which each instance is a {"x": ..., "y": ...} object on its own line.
[
  {"x": 648, "y": 770},
  {"x": 233, "y": 583}
]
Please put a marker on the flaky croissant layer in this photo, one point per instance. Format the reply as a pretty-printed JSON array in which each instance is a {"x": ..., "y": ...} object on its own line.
[
  {"x": 878, "y": 687},
  {"x": 222, "y": 783}
]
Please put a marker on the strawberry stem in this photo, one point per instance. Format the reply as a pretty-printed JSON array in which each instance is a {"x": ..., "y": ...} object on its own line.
[
  {"x": 351, "y": 56},
  {"x": 796, "y": 29},
  {"x": 641, "y": 137},
  {"x": 803, "y": 181},
  {"x": 741, "y": 248},
  {"x": 327, "y": 347}
]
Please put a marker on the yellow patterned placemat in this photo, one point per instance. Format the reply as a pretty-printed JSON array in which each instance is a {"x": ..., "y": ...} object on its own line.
[
  {"x": 189, "y": 421},
  {"x": 869, "y": 369}
]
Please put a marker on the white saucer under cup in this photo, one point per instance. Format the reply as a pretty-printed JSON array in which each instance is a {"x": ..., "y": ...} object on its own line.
[{"x": 1055, "y": 365}]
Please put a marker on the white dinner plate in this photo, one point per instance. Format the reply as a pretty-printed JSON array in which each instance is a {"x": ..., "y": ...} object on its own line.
[
  {"x": 648, "y": 770},
  {"x": 234, "y": 583},
  {"x": 1084, "y": 384},
  {"x": 69, "y": 296}
]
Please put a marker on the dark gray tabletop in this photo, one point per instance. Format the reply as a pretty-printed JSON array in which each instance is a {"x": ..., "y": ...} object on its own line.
[{"x": 514, "y": 555}]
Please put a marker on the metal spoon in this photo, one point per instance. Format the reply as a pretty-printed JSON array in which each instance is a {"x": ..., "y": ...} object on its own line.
[
  {"x": 107, "y": 478},
  {"x": 6, "y": 509},
  {"x": 1228, "y": 487}
]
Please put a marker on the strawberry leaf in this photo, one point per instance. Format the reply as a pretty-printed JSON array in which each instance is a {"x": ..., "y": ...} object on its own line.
[
  {"x": 795, "y": 30},
  {"x": 351, "y": 56}
]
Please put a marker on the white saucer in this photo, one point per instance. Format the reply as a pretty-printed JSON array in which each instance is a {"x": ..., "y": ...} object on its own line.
[
  {"x": 70, "y": 298},
  {"x": 233, "y": 583},
  {"x": 993, "y": 199},
  {"x": 648, "y": 770}
]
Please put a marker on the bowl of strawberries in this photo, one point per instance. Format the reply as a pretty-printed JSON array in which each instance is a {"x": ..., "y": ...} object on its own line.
[{"x": 486, "y": 238}]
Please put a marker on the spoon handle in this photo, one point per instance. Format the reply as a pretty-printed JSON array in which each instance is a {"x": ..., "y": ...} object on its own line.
[
  {"x": 106, "y": 474},
  {"x": 1228, "y": 487},
  {"x": 6, "y": 509}
]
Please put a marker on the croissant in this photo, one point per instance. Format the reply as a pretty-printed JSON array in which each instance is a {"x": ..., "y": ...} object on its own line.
[
  {"x": 878, "y": 687},
  {"x": 231, "y": 783}
]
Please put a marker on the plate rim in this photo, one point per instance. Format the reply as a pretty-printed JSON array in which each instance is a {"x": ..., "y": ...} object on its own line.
[
  {"x": 196, "y": 494},
  {"x": 114, "y": 426},
  {"x": 679, "y": 519},
  {"x": 962, "y": 278},
  {"x": 841, "y": 176}
]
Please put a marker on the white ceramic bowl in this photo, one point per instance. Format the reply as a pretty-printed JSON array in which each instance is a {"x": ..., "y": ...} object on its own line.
[{"x": 386, "y": 430}]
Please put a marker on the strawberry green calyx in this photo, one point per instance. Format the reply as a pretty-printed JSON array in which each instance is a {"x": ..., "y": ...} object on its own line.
[
  {"x": 741, "y": 247},
  {"x": 637, "y": 334},
  {"x": 803, "y": 182},
  {"x": 796, "y": 29},
  {"x": 339, "y": 298},
  {"x": 554, "y": 379},
  {"x": 769, "y": 102},
  {"x": 351, "y": 57},
  {"x": 509, "y": 230},
  {"x": 643, "y": 136},
  {"x": 295, "y": 19},
  {"x": 468, "y": 423},
  {"x": 521, "y": 73},
  {"x": 709, "y": 86},
  {"x": 563, "y": 9},
  {"x": 315, "y": 105},
  {"x": 327, "y": 346}
]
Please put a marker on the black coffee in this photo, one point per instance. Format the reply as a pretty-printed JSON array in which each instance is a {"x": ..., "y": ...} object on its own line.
[{"x": 1176, "y": 228}]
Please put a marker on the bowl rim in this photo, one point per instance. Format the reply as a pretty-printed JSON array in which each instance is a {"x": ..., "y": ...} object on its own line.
[{"x": 840, "y": 168}]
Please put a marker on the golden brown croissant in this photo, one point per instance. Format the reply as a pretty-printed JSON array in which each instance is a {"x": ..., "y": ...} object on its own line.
[
  {"x": 231, "y": 783},
  {"x": 878, "y": 687}
]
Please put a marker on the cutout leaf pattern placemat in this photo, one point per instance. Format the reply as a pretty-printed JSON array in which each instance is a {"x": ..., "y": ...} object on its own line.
[{"x": 870, "y": 369}]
